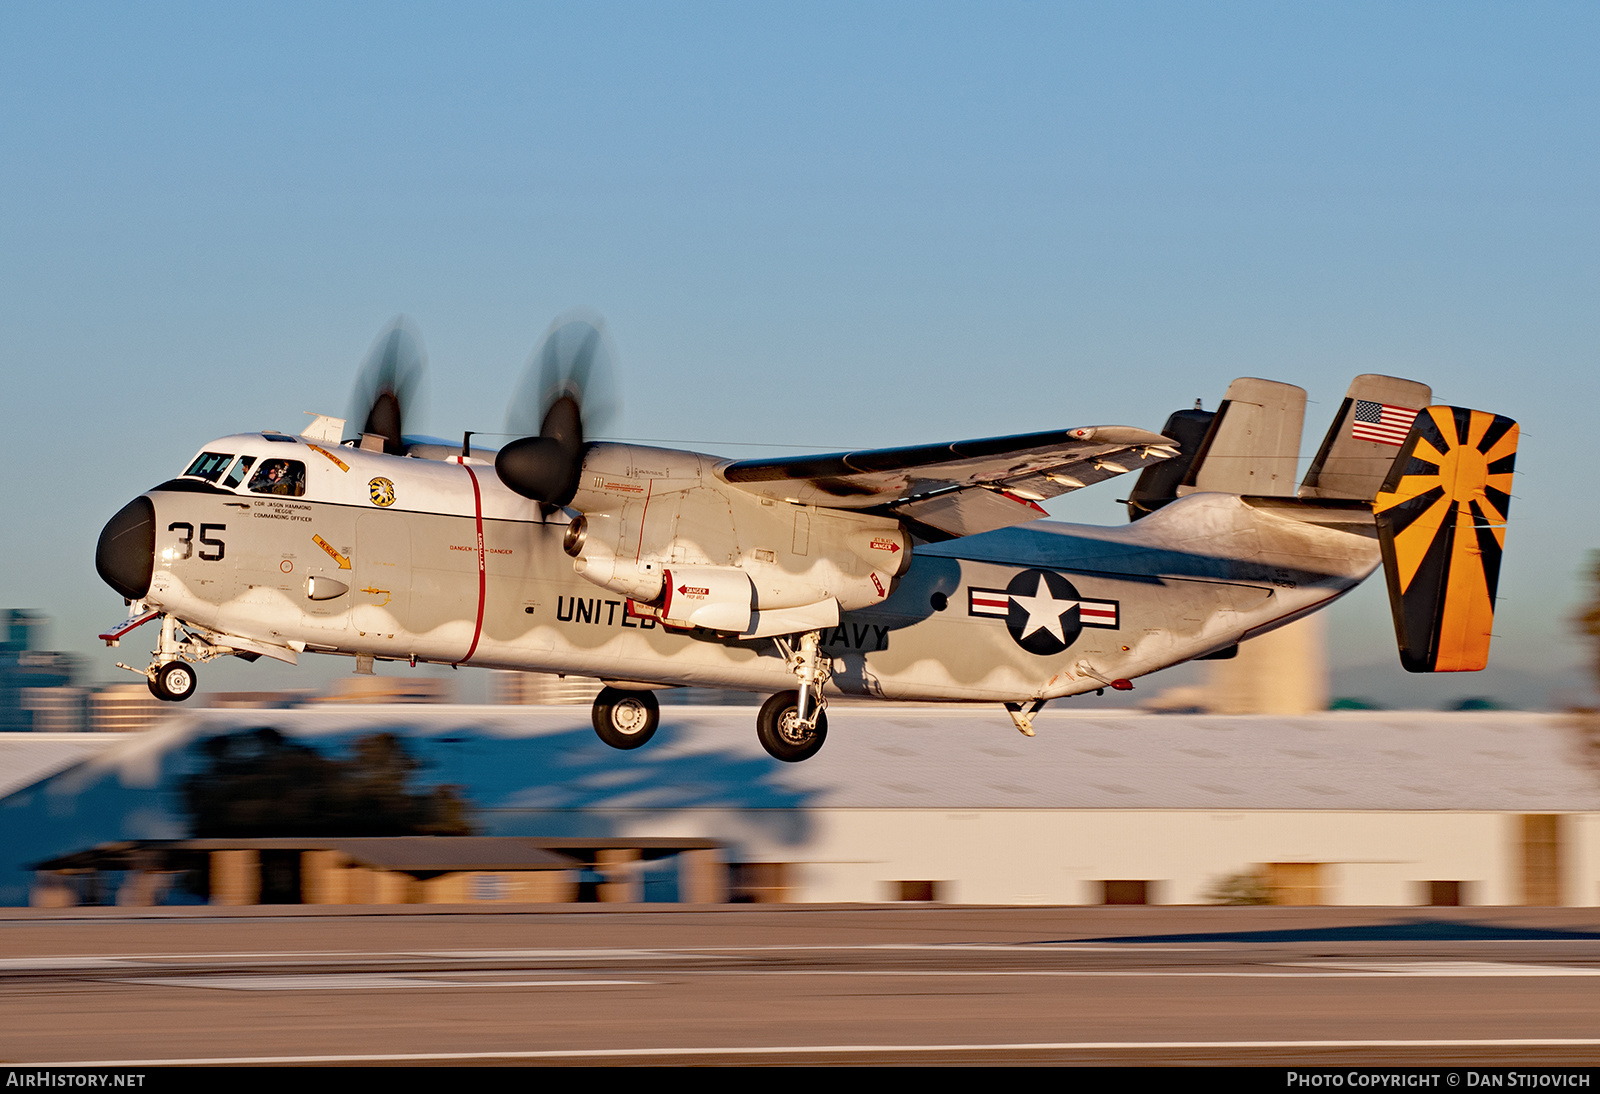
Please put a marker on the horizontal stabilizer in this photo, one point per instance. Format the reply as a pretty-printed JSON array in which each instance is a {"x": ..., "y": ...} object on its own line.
[{"x": 1441, "y": 517}]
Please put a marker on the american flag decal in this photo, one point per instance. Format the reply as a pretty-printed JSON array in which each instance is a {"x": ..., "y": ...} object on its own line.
[{"x": 1381, "y": 422}]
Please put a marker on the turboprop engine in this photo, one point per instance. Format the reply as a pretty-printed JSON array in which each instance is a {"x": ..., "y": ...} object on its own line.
[{"x": 663, "y": 528}]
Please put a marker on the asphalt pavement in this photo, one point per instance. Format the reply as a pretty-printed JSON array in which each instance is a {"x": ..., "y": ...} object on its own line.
[{"x": 801, "y": 984}]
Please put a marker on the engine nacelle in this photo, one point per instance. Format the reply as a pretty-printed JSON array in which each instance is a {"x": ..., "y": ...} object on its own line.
[
  {"x": 795, "y": 566},
  {"x": 886, "y": 549},
  {"x": 718, "y": 598},
  {"x": 589, "y": 544},
  {"x": 723, "y": 598}
]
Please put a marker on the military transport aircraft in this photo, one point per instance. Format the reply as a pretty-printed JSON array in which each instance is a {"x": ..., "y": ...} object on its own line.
[{"x": 919, "y": 573}]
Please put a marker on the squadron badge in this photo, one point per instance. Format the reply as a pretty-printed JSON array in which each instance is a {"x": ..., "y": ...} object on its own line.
[{"x": 382, "y": 491}]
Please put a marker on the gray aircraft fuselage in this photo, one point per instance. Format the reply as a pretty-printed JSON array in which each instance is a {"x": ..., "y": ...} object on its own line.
[{"x": 439, "y": 562}]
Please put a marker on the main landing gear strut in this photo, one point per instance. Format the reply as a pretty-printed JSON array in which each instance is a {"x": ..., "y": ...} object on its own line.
[{"x": 793, "y": 724}]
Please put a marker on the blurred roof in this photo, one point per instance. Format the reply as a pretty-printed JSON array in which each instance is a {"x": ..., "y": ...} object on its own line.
[
  {"x": 888, "y": 756},
  {"x": 412, "y": 854},
  {"x": 25, "y": 758}
]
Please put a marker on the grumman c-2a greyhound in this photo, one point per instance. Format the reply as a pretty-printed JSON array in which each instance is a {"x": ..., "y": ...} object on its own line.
[{"x": 907, "y": 573}]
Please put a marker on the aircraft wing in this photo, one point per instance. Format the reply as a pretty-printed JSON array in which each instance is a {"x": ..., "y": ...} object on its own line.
[{"x": 961, "y": 488}]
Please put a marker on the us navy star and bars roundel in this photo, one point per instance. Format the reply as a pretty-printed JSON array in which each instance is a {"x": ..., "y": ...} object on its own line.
[
  {"x": 1042, "y": 610},
  {"x": 1442, "y": 526}
]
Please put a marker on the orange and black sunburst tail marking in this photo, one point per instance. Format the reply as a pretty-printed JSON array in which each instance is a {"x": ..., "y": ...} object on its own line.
[{"x": 1442, "y": 524}]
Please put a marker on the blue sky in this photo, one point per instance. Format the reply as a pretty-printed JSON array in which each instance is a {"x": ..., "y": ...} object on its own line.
[{"x": 820, "y": 225}]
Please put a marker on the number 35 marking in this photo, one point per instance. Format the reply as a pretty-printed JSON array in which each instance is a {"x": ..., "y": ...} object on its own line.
[{"x": 206, "y": 538}]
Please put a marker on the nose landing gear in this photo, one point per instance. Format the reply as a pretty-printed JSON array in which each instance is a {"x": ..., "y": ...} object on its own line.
[{"x": 170, "y": 678}]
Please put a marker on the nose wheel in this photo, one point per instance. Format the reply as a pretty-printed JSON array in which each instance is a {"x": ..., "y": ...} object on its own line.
[
  {"x": 626, "y": 719},
  {"x": 173, "y": 682}
]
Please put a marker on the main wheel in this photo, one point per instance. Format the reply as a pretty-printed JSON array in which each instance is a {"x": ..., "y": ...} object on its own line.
[
  {"x": 626, "y": 719},
  {"x": 778, "y": 727},
  {"x": 174, "y": 682}
]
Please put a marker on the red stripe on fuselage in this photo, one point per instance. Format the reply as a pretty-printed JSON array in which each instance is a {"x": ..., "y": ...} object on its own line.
[{"x": 477, "y": 512}]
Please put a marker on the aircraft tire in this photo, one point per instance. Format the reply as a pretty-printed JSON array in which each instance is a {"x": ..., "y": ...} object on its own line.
[
  {"x": 776, "y": 729},
  {"x": 174, "y": 682},
  {"x": 626, "y": 719}
]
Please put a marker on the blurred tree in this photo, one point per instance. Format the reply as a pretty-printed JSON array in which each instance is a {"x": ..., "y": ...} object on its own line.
[
  {"x": 1589, "y": 621},
  {"x": 1246, "y": 888},
  {"x": 261, "y": 784},
  {"x": 1585, "y": 721}
]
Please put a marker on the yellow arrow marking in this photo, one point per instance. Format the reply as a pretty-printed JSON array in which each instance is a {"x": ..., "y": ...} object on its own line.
[
  {"x": 342, "y": 465},
  {"x": 371, "y": 591},
  {"x": 344, "y": 563}
]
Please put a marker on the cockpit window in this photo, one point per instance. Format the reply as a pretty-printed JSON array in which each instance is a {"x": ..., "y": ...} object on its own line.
[
  {"x": 286, "y": 477},
  {"x": 240, "y": 470},
  {"x": 208, "y": 465}
]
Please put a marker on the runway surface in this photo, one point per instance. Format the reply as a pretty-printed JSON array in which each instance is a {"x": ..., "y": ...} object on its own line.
[{"x": 780, "y": 985}]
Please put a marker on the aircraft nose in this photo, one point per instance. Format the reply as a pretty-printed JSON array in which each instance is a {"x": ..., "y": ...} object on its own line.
[{"x": 126, "y": 556}]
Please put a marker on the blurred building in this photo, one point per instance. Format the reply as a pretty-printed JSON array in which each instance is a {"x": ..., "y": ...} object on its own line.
[
  {"x": 921, "y": 803},
  {"x": 387, "y": 689},
  {"x": 380, "y": 870},
  {"x": 254, "y": 700},
  {"x": 1281, "y": 672},
  {"x": 38, "y": 692},
  {"x": 127, "y": 708},
  {"x": 30, "y": 674},
  {"x": 57, "y": 709},
  {"x": 540, "y": 688},
  {"x": 548, "y": 689}
]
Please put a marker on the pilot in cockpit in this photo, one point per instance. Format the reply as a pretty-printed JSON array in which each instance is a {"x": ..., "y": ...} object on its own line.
[{"x": 280, "y": 477}]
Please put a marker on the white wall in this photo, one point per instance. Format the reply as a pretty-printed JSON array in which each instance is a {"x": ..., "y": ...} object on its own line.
[{"x": 1058, "y": 857}]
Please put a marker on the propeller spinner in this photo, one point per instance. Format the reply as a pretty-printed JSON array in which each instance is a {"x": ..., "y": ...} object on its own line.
[{"x": 566, "y": 393}]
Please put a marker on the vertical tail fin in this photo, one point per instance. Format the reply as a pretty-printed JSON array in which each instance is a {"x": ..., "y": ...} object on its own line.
[
  {"x": 1359, "y": 449},
  {"x": 1253, "y": 444},
  {"x": 1441, "y": 517},
  {"x": 1158, "y": 483}
]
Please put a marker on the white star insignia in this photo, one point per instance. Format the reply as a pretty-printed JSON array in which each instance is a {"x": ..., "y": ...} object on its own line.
[{"x": 1044, "y": 611}]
